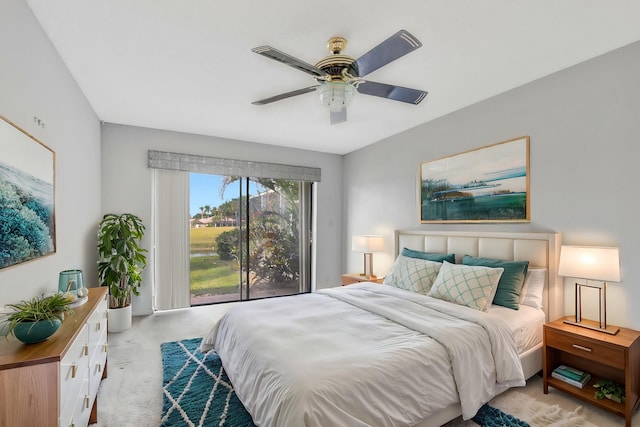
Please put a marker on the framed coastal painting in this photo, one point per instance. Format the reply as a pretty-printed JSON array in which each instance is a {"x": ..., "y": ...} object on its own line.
[
  {"x": 27, "y": 196},
  {"x": 488, "y": 184}
]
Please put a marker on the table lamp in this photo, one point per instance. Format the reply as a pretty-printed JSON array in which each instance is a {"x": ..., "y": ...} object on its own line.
[
  {"x": 368, "y": 244},
  {"x": 591, "y": 263}
]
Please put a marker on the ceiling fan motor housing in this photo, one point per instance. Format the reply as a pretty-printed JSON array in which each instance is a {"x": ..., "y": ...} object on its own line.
[{"x": 338, "y": 67}]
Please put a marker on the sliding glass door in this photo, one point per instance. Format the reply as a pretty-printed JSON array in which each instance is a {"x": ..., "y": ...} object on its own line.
[{"x": 249, "y": 238}]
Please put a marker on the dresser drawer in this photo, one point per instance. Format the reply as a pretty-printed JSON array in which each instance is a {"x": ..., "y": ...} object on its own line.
[
  {"x": 78, "y": 412},
  {"x": 74, "y": 368},
  {"x": 598, "y": 351},
  {"x": 96, "y": 368},
  {"x": 97, "y": 327}
]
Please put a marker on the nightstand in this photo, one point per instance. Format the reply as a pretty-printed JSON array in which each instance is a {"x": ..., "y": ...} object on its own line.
[
  {"x": 615, "y": 357},
  {"x": 351, "y": 278}
]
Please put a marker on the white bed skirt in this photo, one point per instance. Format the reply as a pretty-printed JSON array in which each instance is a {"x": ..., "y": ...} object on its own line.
[{"x": 531, "y": 365}]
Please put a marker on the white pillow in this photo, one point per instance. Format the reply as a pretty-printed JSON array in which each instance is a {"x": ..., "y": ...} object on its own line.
[
  {"x": 531, "y": 294},
  {"x": 413, "y": 274},
  {"x": 468, "y": 285}
]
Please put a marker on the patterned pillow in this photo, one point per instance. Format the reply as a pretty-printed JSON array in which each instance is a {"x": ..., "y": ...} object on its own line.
[
  {"x": 413, "y": 274},
  {"x": 472, "y": 286}
]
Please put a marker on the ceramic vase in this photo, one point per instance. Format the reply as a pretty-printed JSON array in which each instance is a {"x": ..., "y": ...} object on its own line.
[{"x": 34, "y": 332}]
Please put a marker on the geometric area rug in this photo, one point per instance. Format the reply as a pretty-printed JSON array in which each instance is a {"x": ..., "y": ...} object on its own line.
[{"x": 197, "y": 391}]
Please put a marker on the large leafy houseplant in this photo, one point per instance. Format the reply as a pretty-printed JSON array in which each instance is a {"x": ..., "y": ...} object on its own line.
[{"x": 120, "y": 257}]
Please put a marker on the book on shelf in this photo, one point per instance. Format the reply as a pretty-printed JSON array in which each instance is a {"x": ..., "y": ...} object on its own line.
[
  {"x": 572, "y": 376},
  {"x": 570, "y": 372}
]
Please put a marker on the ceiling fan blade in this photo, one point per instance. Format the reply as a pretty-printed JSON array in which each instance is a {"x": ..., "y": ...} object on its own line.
[
  {"x": 338, "y": 117},
  {"x": 285, "y": 95},
  {"x": 289, "y": 60},
  {"x": 397, "y": 93},
  {"x": 389, "y": 50}
]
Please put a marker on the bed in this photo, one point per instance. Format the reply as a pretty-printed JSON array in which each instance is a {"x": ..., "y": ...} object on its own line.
[{"x": 378, "y": 355}]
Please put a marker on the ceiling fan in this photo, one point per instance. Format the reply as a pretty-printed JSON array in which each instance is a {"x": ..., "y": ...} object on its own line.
[{"x": 339, "y": 76}]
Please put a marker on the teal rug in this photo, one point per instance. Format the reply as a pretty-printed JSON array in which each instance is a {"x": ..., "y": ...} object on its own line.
[{"x": 197, "y": 392}]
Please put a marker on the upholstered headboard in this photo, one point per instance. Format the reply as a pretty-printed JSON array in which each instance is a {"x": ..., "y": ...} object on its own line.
[{"x": 540, "y": 249}]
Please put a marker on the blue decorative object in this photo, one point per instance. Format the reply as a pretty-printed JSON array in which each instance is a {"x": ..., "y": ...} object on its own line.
[
  {"x": 71, "y": 285},
  {"x": 34, "y": 332}
]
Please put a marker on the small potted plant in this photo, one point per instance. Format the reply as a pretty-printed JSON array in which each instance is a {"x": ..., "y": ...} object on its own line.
[
  {"x": 609, "y": 389},
  {"x": 37, "y": 319},
  {"x": 120, "y": 264}
]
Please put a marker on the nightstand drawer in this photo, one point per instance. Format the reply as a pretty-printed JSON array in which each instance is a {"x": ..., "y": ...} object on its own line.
[{"x": 600, "y": 352}]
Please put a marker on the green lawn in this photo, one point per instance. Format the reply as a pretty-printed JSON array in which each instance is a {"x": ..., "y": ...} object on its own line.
[
  {"x": 209, "y": 274},
  {"x": 205, "y": 237}
]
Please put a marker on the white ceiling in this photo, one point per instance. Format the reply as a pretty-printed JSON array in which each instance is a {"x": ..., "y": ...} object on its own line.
[{"x": 187, "y": 65}]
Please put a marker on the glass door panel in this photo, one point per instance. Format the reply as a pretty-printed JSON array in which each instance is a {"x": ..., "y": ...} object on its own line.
[
  {"x": 273, "y": 238},
  {"x": 214, "y": 265}
]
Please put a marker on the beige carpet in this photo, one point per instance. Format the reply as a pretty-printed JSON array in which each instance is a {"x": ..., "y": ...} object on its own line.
[{"x": 555, "y": 409}]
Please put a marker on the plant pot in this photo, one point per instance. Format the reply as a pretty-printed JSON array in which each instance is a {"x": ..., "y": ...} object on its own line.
[
  {"x": 119, "y": 319},
  {"x": 34, "y": 332},
  {"x": 614, "y": 398}
]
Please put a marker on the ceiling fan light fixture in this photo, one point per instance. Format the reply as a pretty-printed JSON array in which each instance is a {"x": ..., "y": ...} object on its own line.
[{"x": 336, "y": 95}]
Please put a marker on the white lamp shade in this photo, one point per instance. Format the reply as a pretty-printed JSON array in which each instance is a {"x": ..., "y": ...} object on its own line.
[
  {"x": 589, "y": 262},
  {"x": 336, "y": 95},
  {"x": 367, "y": 243}
]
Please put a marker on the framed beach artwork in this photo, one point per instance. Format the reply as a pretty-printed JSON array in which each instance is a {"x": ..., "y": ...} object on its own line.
[
  {"x": 488, "y": 184},
  {"x": 27, "y": 196}
]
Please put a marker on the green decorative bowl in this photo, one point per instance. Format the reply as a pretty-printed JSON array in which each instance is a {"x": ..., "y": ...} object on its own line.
[{"x": 33, "y": 332}]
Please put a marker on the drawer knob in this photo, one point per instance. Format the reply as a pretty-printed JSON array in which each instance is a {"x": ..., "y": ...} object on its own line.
[
  {"x": 104, "y": 348},
  {"x": 74, "y": 368},
  {"x": 86, "y": 402},
  {"x": 86, "y": 349},
  {"x": 99, "y": 367},
  {"x": 97, "y": 326},
  {"x": 580, "y": 347}
]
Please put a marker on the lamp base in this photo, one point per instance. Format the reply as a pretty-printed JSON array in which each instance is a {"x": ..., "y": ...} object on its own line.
[
  {"x": 611, "y": 330},
  {"x": 371, "y": 277}
]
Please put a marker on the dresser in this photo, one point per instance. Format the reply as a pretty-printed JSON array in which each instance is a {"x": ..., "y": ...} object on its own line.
[{"x": 55, "y": 382}]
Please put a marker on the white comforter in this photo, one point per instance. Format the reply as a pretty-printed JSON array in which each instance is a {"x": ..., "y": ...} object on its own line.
[{"x": 362, "y": 355}]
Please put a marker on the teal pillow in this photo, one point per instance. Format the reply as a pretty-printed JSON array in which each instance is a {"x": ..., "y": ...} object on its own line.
[
  {"x": 511, "y": 281},
  {"x": 428, "y": 256}
]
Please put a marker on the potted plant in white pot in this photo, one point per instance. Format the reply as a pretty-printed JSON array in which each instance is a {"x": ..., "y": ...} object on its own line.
[{"x": 120, "y": 264}]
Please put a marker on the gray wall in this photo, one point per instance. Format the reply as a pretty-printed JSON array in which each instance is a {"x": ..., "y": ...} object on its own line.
[
  {"x": 126, "y": 186},
  {"x": 35, "y": 83},
  {"x": 584, "y": 124}
]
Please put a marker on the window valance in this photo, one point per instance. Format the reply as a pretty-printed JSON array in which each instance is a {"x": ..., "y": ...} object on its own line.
[{"x": 231, "y": 167}]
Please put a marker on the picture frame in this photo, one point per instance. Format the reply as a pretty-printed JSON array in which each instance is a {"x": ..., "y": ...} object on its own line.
[
  {"x": 27, "y": 196},
  {"x": 486, "y": 184}
]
